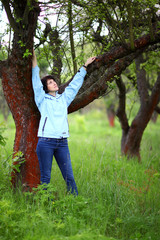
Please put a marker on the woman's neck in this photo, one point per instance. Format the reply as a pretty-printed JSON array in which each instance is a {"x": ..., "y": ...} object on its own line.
[{"x": 52, "y": 93}]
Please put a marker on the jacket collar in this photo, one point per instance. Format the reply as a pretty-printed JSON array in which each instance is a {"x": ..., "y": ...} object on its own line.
[{"x": 49, "y": 96}]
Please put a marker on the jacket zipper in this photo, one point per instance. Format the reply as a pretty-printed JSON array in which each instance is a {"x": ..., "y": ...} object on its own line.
[{"x": 44, "y": 126}]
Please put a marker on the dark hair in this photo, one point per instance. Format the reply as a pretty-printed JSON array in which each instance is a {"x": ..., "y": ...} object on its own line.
[{"x": 44, "y": 82}]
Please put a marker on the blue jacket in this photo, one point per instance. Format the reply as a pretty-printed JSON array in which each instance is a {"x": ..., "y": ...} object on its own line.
[{"x": 54, "y": 110}]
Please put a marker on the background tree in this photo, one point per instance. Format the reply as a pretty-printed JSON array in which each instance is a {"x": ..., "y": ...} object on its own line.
[
  {"x": 145, "y": 79},
  {"x": 132, "y": 135}
]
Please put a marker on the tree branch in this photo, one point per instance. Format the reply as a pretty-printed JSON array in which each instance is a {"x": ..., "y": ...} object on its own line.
[
  {"x": 55, "y": 44},
  {"x": 99, "y": 87},
  {"x": 141, "y": 81},
  {"x": 12, "y": 21},
  {"x": 115, "y": 53},
  {"x": 130, "y": 21},
  {"x": 121, "y": 113},
  {"x": 46, "y": 32},
  {"x": 26, "y": 12},
  {"x": 73, "y": 54},
  {"x": 79, "y": 4},
  {"x": 107, "y": 60}
]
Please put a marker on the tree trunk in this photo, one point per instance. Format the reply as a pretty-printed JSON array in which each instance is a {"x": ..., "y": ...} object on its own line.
[
  {"x": 132, "y": 139},
  {"x": 132, "y": 135},
  {"x": 17, "y": 87},
  {"x": 19, "y": 95}
]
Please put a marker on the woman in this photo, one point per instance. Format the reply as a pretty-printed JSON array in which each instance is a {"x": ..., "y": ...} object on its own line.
[{"x": 53, "y": 127}]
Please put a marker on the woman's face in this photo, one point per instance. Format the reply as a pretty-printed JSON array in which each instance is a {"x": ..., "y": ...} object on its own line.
[{"x": 52, "y": 85}]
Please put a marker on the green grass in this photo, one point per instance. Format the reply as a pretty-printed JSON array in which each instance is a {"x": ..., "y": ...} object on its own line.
[{"x": 119, "y": 199}]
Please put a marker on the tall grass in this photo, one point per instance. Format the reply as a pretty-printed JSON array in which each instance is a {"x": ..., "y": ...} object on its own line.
[{"x": 119, "y": 199}]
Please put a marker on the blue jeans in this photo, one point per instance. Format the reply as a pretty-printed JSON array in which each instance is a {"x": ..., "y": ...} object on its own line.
[{"x": 46, "y": 149}]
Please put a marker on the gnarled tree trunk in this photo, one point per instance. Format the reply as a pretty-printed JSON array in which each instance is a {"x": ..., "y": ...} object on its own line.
[
  {"x": 19, "y": 96},
  {"x": 17, "y": 86},
  {"x": 132, "y": 135}
]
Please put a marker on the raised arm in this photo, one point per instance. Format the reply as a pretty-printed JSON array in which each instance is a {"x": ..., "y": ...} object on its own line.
[
  {"x": 34, "y": 59},
  {"x": 39, "y": 93},
  {"x": 74, "y": 86}
]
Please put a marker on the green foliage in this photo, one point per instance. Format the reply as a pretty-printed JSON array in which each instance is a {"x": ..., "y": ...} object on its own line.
[
  {"x": 111, "y": 85},
  {"x": 21, "y": 43},
  {"x": 42, "y": 60},
  {"x": 18, "y": 160},
  {"x": 2, "y": 139},
  {"x": 151, "y": 65},
  {"x": 27, "y": 53},
  {"x": 118, "y": 199},
  {"x": 3, "y": 53},
  {"x": 19, "y": 20}
]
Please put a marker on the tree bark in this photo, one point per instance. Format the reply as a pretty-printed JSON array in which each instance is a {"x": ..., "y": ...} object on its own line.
[
  {"x": 73, "y": 53},
  {"x": 121, "y": 113},
  {"x": 19, "y": 96},
  {"x": 17, "y": 87},
  {"x": 55, "y": 44}
]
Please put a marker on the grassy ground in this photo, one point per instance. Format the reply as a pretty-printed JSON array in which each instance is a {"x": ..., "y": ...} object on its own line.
[{"x": 118, "y": 199}]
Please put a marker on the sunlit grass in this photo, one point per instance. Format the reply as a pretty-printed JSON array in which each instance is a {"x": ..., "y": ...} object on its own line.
[{"x": 119, "y": 199}]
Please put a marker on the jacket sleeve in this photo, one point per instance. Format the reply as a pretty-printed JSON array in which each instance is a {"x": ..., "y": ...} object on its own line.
[
  {"x": 39, "y": 93},
  {"x": 74, "y": 86}
]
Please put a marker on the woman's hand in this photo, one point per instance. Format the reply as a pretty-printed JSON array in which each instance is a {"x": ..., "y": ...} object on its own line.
[{"x": 89, "y": 61}]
